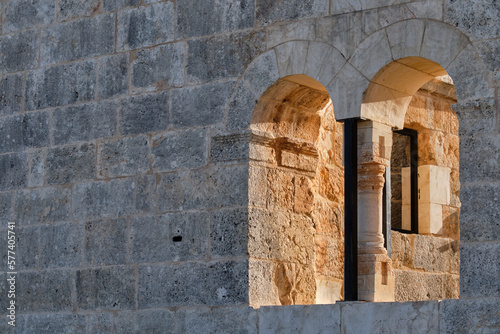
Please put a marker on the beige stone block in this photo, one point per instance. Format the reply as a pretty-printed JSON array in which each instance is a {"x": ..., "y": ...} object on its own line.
[
  {"x": 434, "y": 184},
  {"x": 257, "y": 186},
  {"x": 291, "y": 57},
  {"x": 299, "y": 161},
  {"x": 262, "y": 153},
  {"x": 414, "y": 285},
  {"x": 402, "y": 249},
  {"x": 430, "y": 218},
  {"x": 432, "y": 253},
  {"x": 329, "y": 257},
  {"x": 451, "y": 286},
  {"x": 327, "y": 291},
  {"x": 295, "y": 283},
  {"x": 406, "y": 198},
  {"x": 261, "y": 289},
  {"x": 303, "y": 196}
]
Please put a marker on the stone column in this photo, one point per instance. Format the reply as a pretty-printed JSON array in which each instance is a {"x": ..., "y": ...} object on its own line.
[{"x": 375, "y": 274}]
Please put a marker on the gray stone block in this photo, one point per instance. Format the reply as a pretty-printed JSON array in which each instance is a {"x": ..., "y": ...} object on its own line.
[
  {"x": 19, "y": 51},
  {"x": 202, "y": 105},
  {"x": 170, "y": 237},
  {"x": 479, "y": 158},
  {"x": 145, "y": 198},
  {"x": 110, "y": 5},
  {"x": 24, "y": 14},
  {"x": 213, "y": 283},
  {"x": 71, "y": 164},
  {"x": 110, "y": 288},
  {"x": 84, "y": 122},
  {"x": 480, "y": 213},
  {"x": 26, "y": 247},
  {"x": 241, "y": 108},
  {"x": 479, "y": 18},
  {"x": 222, "y": 56},
  {"x": 69, "y": 9},
  {"x": 488, "y": 50},
  {"x": 11, "y": 94},
  {"x": 230, "y": 148},
  {"x": 6, "y": 206},
  {"x": 24, "y": 131},
  {"x": 223, "y": 187},
  {"x": 42, "y": 205},
  {"x": 145, "y": 26},
  {"x": 100, "y": 323},
  {"x": 148, "y": 321},
  {"x": 113, "y": 75},
  {"x": 13, "y": 171},
  {"x": 52, "y": 323},
  {"x": 61, "y": 245},
  {"x": 60, "y": 85},
  {"x": 159, "y": 68},
  {"x": 479, "y": 268},
  {"x": 36, "y": 163},
  {"x": 45, "y": 291},
  {"x": 125, "y": 156},
  {"x": 269, "y": 11},
  {"x": 179, "y": 150},
  {"x": 201, "y": 17},
  {"x": 204, "y": 320},
  {"x": 229, "y": 233},
  {"x": 78, "y": 39},
  {"x": 144, "y": 113},
  {"x": 469, "y": 316},
  {"x": 476, "y": 117},
  {"x": 113, "y": 198},
  {"x": 105, "y": 242}
]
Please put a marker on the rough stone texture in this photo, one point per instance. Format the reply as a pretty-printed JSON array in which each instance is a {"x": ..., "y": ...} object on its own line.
[
  {"x": 84, "y": 122},
  {"x": 24, "y": 131},
  {"x": 488, "y": 51},
  {"x": 470, "y": 316},
  {"x": 78, "y": 39},
  {"x": 268, "y": 11},
  {"x": 11, "y": 87},
  {"x": 68, "y": 9},
  {"x": 36, "y": 162},
  {"x": 478, "y": 18},
  {"x": 26, "y": 251},
  {"x": 18, "y": 52},
  {"x": 110, "y": 5},
  {"x": 146, "y": 198},
  {"x": 61, "y": 246},
  {"x": 479, "y": 268},
  {"x": 42, "y": 205},
  {"x": 147, "y": 321},
  {"x": 414, "y": 285},
  {"x": 145, "y": 26},
  {"x": 100, "y": 322},
  {"x": 476, "y": 117},
  {"x": 60, "y": 85},
  {"x": 123, "y": 157},
  {"x": 229, "y": 148},
  {"x": 6, "y": 206},
  {"x": 204, "y": 320},
  {"x": 179, "y": 149},
  {"x": 24, "y": 14},
  {"x": 112, "y": 75},
  {"x": 105, "y": 242},
  {"x": 171, "y": 237},
  {"x": 13, "y": 171},
  {"x": 108, "y": 288},
  {"x": 241, "y": 108},
  {"x": 71, "y": 164},
  {"x": 144, "y": 113},
  {"x": 229, "y": 233},
  {"x": 476, "y": 160},
  {"x": 432, "y": 254}
]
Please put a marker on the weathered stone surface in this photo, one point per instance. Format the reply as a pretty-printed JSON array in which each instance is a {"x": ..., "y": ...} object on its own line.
[
  {"x": 200, "y": 105},
  {"x": 108, "y": 288},
  {"x": 24, "y": 14},
  {"x": 432, "y": 253},
  {"x": 479, "y": 268},
  {"x": 204, "y": 320},
  {"x": 291, "y": 57},
  {"x": 372, "y": 54},
  {"x": 148, "y": 321},
  {"x": 171, "y": 237},
  {"x": 476, "y": 117},
  {"x": 145, "y": 26},
  {"x": 11, "y": 94},
  {"x": 416, "y": 317},
  {"x": 19, "y": 51},
  {"x": 405, "y": 38},
  {"x": 477, "y": 163},
  {"x": 216, "y": 283},
  {"x": 110, "y": 5},
  {"x": 60, "y": 85},
  {"x": 144, "y": 113},
  {"x": 415, "y": 285},
  {"x": 393, "y": 14},
  {"x": 52, "y": 323},
  {"x": 479, "y": 215},
  {"x": 45, "y": 291},
  {"x": 84, "y": 122},
  {"x": 26, "y": 247},
  {"x": 488, "y": 51},
  {"x": 269, "y": 11},
  {"x": 105, "y": 242},
  {"x": 159, "y": 68},
  {"x": 42, "y": 205},
  {"x": 78, "y": 39},
  {"x": 36, "y": 163},
  {"x": 13, "y": 171},
  {"x": 145, "y": 198},
  {"x": 346, "y": 6},
  {"x": 100, "y": 322},
  {"x": 199, "y": 18},
  {"x": 113, "y": 75},
  {"x": 241, "y": 108},
  {"x": 222, "y": 56},
  {"x": 451, "y": 286},
  {"x": 103, "y": 199},
  {"x": 61, "y": 246},
  {"x": 300, "y": 319},
  {"x": 6, "y": 206},
  {"x": 223, "y": 187},
  {"x": 229, "y": 148},
  {"x": 426, "y": 9},
  {"x": 229, "y": 233},
  {"x": 179, "y": 150},
  {"x": 70, "y": 164},
  {"x": 263, "y": 72},
  {"x": 323, "y": 63},
  {"x": 24, "y": 131},
  {"x": 478, "y": 18},
  {"x": 290, "y": 31},
  {"x": 126, "y": 156},
  {"x": 470, "y": 316},
  {"x": 68, "y": 9}
]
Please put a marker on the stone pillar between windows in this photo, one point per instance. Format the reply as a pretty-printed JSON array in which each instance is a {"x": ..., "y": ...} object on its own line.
[{"x": 375, "y": 274}]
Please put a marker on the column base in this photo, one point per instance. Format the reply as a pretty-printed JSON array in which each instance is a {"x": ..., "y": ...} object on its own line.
[{"x": 375, "y": 278}]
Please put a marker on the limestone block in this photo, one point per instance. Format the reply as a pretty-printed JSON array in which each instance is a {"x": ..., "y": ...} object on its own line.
[
  {"x": 478, "y": 158},
  {"x": 416, "y": 285},
  {"x": 298, "y": 161},
  {"x": 328, "y": 292},
  {"x": 405, "y": 38},
  {"x": 430, "y": 218},
  {"x": 146, "y": 199},
  {"x": 145, "y": 26},
  {"x": 291, "y": 58},
  {"x": 61, "y": 246},
  {"x": 479, "y": 267},
  {"x": 52, "y": 323},
  {"x": 6, "y": 206},
  {"x": 68, "y": 9},
  {"x": 372, "y": 54},
  {"x": 261, "y": 276},
  {"x": 257, "y": 186},
  {"x": 26, "y": 251},
  {"x": 126, "y": 156},
  {"x": 19, "y": 51},
  {"x": 229, "y": 233},
  {"x": 488, "y": 50},
  {"x": 323, "y": 62},
  {"x": 36, "y": 162},
  {"x": 406, "y": 198},
  {"x": 42, "y": 205},
  {"x": 71, "y": 164},
  {"x": 269, "y": 11},
  {"x": 476, "y": 117},
  {"x": 262, "y": 73},
  {"x": 300, "y": 319},
  {"x": 434, "y": 184},
  {"x": 478, "y": 18},
  {"x": 87, "y": 37},
  {"x": 13, "y": 171},
  {"x": 60, "y": 85},
  {"x": 402, "y": 246},
  {"x": 346, "y": 6},
  {"x": 149, "y": 321},
  {"x": 290, "y": 31},
  {"x": 432, "y": 253},
  {"x": 105, "y": 242},
  {"x": 412, "y": 317},
  {"x": 111, "y": 5},
  {"x": 204, "y": 320},
  {"x": 112, "y": 75},
  {"x": 144, "y": 113},
  {"x": 24, "y": 14},
  {"x": 108, "y": 288},
  {"x": 11, "y": 87},
  {"x": 451, "y": 286},
  {"x": 241, "y": 108},
  {"x": 329, "y": 260},
  {"x": 19, "y": 132},
  {"x": 199, "y": 18},
  {"x": 100, "y": 322},
  {"x": 428, "y": 9},
  {"x": 466, "y": 316},
  {"x": 235, "y": 147},
  {"x": 84, "y": 122},
  {"x": 392, "y": 14}
]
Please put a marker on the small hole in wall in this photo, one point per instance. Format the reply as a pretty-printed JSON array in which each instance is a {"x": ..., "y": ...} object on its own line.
[{"x": 177, "y": 238}]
